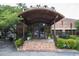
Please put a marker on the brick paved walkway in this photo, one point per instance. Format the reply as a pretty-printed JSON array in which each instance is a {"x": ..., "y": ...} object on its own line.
[
  {"x": 8, "y": 49},
  {"x": 38, "y": 45}
]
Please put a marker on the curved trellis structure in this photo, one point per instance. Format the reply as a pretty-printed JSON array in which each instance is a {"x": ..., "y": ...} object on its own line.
[{"x": 35, "y": 18}]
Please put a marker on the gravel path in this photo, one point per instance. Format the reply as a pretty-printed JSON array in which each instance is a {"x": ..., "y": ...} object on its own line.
[{"x": 8, "y": 49}]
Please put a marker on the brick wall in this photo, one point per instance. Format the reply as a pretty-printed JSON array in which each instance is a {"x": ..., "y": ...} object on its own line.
[{"x": 65, "y": 25}]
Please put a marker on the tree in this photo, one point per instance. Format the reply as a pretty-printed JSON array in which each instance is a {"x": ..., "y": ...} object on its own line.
[
  {"x": 8, "y": 18},
  {"x": 22, "y": 6}
]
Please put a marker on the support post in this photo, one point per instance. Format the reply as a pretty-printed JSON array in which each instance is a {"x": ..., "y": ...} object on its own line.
[
  {"x": 23, "y": 30},
  {"x": 55, "y": 39},
  {"x": 49, "y": 28}
]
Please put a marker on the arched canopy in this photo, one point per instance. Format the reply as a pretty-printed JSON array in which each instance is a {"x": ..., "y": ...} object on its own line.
[{"x": 45, "y": 15}]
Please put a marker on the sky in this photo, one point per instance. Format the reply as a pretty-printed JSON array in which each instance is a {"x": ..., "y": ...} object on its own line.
[{"x": 67, "y": 8}]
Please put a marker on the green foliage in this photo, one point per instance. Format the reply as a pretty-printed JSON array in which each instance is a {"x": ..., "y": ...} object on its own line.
[
  {"x": 77, "y": 24},
  {"x": 68, "y": 43},
  {"x": 19, "y": 42},
  {"x": 22, "y": 5},
  {"x": 29, "y": 35},
  {"x": 60, "y": 43},
  {"x": 50, "y": 36},
  {"x": 73, "y": 36},
  {"x": 8, "y": 16},
  {"x": 77, "y": 42},
  {"x": 64, "y": 35},
  {"x": 77, "y": 38},
  {"x": 9, "y": 19},
  {"x": 71, "y": 43}
]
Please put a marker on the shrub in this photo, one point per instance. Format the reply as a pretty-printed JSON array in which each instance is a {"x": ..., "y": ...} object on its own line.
[
  {"x": 77, "y": 46},
  {"x": 29, "y": 35},
  {"x": 64, "y": 35},
  {"x": 50, "y": 36},
  {"x": 60, "y": 43},
  {"x": 77, "y": 38},
  {"x": 71, "y": 43},
  {"x": 73, "y": 36},
  {"x": 19, "y": 42}
]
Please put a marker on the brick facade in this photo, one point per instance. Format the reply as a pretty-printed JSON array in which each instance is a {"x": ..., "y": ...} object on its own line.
[{"x": 65, "y": 25}]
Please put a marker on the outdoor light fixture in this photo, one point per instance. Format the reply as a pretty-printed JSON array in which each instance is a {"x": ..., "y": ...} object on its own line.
[{"x": 43, "y": 24}]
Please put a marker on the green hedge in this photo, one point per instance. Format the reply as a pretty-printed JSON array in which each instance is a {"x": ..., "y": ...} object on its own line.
[
  {"x": 77, "y": 42},
  {"x": 77, "y": 38},
  {"x": 19, "y": 42},
  {"x": 68, "y": 43},
  {"x": 71, "y": 43},
  {"x": 60, "y": 43},
  {"x": 73, "y": 36}
]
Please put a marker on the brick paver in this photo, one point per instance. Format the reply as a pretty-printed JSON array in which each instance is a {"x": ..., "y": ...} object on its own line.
[
  {"x": 8, "y": 49},
  {"x": 38, "y": 45}
]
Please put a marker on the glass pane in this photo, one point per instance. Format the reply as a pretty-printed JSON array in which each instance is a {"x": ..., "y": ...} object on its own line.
[{"x": 38, "y": 29}]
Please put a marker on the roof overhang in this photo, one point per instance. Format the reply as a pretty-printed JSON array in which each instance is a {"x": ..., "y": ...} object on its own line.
[{"x": 45, "y": 15}]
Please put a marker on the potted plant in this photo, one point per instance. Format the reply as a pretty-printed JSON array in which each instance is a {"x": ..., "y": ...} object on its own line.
[
  {"x": 49, "y": 36},
  {"x": 29, "y": 37}
]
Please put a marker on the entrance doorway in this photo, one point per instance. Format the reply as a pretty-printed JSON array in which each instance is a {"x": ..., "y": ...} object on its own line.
[{"x": 39, "y": 31}]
